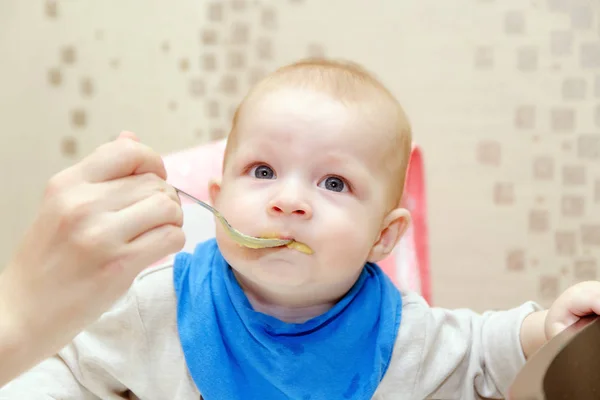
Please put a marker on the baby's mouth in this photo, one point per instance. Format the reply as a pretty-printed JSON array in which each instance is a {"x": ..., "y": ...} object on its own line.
[{"x": 299, "y": 246}]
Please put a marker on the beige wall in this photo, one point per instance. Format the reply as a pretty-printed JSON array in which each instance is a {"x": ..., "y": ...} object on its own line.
[{"x": 504, "y": 97}]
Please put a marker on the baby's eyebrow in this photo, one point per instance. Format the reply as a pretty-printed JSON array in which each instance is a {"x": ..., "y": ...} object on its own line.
[
  {"x": 339, "y": 158},
  {"x": 249, "y": 153},
  {"x": 350, "y": 167},
  {"x": 353, "y": 164}
]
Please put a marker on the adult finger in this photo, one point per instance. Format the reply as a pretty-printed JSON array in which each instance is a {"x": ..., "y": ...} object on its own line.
[
  {"x": 151, "y": 212},
  {"x": 121, "y": 158},
  {"x": 128, "y": 135},
  {"x": 152, "y": 246},
  {"x": 119, "y": 194}
]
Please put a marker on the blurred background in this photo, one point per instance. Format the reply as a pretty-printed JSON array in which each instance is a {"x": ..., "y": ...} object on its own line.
[{"x": 503, "y": 96}]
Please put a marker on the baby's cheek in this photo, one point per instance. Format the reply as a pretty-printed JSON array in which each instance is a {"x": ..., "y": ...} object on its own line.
[
  {"x": 242, "y": 222},
  {"x": 231, "y": 251},
  {"x": 236, "y": 255},
  {"x": 346, "y": 245},
  {"x": 242, "y": 212},
  {"x": 223, "y": 239}
]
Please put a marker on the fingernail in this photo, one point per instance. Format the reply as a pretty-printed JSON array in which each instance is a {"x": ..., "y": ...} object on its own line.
[{"x": 128, "y": 135}]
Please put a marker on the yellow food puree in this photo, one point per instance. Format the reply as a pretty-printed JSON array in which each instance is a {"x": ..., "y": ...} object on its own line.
[{"x": 301, "y": 247}]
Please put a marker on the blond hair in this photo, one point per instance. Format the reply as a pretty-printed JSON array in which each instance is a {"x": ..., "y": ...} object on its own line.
[{"x": 350, "y": 84}]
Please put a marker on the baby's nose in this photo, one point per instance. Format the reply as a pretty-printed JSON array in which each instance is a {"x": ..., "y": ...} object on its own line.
[{"x": 287, "y": 206}]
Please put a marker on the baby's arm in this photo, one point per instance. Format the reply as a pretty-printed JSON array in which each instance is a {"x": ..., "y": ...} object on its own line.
[
  {"x": 465, "y": 355},
  {"x": 93, "y": 365},
  {"x": 533, "y": 335},
  {"x": 49, "y": 380}
]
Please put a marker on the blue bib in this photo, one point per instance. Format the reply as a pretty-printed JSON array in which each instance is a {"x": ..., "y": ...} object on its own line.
[{"x": 234, "y": 353}]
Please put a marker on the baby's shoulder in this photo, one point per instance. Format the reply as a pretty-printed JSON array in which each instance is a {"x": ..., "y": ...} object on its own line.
[
  {"x": 154, "y": 293},
  {"x": 413, "y": 304},
  {"x": 414, "y": 320},
  {"x": 155, "y": 276}
]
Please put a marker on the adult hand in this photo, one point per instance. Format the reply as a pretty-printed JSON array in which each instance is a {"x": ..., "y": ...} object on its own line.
[{"x": 101, "y": 222}]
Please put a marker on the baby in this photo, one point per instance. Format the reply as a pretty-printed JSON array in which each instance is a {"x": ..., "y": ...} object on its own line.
[{"x": 317, "y": 153}]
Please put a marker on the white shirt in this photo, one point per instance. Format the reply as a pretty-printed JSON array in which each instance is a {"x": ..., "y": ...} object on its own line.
[{"x": 133, "y": 352}]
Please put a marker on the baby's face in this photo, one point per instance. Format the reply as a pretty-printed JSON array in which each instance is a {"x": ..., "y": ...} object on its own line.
[{"x": 308, "y": 168}]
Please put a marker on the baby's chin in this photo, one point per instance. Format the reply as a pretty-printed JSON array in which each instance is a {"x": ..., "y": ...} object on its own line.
[
  {"x": 270, "y": 272},
  {"x": 277, "y": 266}
]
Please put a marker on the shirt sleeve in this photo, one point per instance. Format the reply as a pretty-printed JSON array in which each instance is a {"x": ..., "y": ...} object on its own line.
[
  {"x": 87, "y": 368},
  {"x": 51, "y": 379},
  {"x": 466, "y": 355}
]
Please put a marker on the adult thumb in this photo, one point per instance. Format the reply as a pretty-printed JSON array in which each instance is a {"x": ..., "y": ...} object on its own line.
[{"x": 128, "y": 135}]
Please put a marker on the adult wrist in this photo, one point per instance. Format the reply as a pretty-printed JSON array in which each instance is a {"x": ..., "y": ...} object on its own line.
[{"x": 13, "y": 340}]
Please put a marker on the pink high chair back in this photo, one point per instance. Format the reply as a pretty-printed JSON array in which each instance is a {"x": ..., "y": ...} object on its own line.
[{"x": 408, "y": 266}]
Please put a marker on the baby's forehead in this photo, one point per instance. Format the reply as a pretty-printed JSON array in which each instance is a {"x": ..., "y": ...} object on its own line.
[
  {"x": 375, "y": 117},
  {"x": 343, "y": 82},
  {"x": 296, "y": 115}
]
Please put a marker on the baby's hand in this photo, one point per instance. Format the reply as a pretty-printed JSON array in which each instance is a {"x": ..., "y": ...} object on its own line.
[{"x": 578, "y": 301}]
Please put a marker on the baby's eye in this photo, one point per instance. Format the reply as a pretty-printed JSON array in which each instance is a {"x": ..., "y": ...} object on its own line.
[
  {"x": 262, "y": 172},
  {"x": 334, "y": 184}
]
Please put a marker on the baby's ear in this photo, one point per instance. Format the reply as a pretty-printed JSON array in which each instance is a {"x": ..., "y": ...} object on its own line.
[
  {"x": 393, "y": 227},
  {"x": 214, "y": 189}
]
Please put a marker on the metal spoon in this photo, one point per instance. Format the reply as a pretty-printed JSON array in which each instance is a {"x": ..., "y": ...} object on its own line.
[{"x": 240, "y": 238}]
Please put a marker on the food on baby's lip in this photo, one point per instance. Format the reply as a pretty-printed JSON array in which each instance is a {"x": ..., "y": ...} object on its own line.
[{"x": 301, "y": 247}]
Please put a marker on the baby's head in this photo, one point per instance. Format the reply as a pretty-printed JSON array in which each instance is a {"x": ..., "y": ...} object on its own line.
[{"x": 318, "y": 152}]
